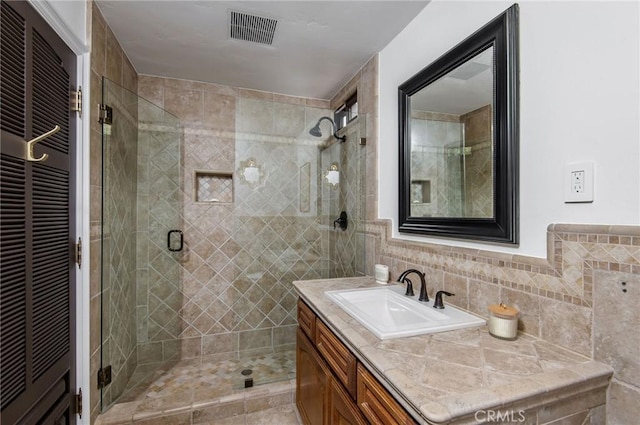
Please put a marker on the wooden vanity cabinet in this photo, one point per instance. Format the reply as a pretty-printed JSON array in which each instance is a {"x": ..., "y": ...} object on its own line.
[
  {"x": 313, "y": 378},
  {"x": 376, "y": 403},
  {"x": 342, "y": 409},
  {"x": 331, "y": 386}
]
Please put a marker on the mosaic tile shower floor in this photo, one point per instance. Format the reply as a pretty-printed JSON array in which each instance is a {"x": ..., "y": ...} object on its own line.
[{"x": 189, "y": 385}]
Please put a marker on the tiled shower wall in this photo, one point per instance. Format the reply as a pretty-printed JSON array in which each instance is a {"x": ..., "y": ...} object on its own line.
[
  {"x": 107, "y": 59},
  {"x": 478, "y": 185},
  {"x": 458, "y": 169},
  {"x": 119, "y": 217},
  {"x": 240, "y": 259}
]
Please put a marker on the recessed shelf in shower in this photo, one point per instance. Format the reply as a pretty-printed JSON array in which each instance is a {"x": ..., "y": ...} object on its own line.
[{"x": 213, "y": 186}]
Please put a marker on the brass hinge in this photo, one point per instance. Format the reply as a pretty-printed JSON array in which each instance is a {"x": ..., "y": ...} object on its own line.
[
  {"x": 75, "y": 100},
  {"x": 78, "y": 403},
  {"x": 104, "y": 376},
  {"x": 106, "y": 114},
  {"x": 79, "y": 252}
]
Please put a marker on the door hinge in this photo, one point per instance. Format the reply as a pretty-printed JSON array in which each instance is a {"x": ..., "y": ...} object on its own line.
[
  {"x": 104, "y": 376},
  {"x": 75, "y": 100},
  {"x": 106, "y": 114},
  {"x": 78, "y": 403},
  {"x": 79, "y": 252}
]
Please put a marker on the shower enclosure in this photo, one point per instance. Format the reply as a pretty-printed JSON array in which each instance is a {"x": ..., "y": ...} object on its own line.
[{"x": 204, "y": 231}]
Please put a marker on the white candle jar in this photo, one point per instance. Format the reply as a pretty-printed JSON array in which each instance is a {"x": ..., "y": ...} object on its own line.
[{"x": 503, "y": 321}]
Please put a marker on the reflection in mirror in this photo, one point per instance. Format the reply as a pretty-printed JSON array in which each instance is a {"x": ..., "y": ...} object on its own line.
[
  {"x": 451, "y": 143},
  {"x": 458, "y": 139}
]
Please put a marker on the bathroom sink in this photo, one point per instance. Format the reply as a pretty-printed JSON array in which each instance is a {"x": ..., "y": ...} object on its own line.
[{"x": 389, "y": 314}]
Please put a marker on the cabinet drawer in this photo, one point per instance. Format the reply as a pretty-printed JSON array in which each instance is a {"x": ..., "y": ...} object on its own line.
[
  {"x": 339, "y": 358},
  {"x": 377, "y": 405},
  {"x": 306, "y": 320}
]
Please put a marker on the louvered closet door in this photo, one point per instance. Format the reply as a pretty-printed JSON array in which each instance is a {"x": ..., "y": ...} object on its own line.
[{"x": 36, "y": 222}]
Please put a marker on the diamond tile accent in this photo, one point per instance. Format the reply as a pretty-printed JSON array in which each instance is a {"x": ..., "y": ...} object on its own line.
[{"x": 211, "y": 187}]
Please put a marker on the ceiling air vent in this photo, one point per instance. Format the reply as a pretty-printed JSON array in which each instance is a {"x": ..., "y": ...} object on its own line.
[{"x": 256, "y": 29}]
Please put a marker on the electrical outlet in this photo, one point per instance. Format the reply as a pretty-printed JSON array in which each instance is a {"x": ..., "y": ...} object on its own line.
[{"x": 578, "y": 182}]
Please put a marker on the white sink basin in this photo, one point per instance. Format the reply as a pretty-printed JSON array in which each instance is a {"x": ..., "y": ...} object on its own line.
[{"x": 389, "y": 314}]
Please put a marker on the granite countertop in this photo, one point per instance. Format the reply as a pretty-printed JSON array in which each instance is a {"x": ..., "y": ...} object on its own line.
[{"x": 443, "y": 377}]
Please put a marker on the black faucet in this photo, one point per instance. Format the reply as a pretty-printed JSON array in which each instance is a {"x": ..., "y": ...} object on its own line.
[
  {"x": 438, "y": 302},
  {"x": 423, "y": 284}
]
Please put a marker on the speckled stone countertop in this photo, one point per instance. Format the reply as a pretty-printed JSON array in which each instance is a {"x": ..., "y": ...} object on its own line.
[{"x": 447, "y": 377}]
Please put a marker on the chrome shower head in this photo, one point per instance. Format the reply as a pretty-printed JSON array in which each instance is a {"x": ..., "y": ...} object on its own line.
[{"x": 315, "y": 131}]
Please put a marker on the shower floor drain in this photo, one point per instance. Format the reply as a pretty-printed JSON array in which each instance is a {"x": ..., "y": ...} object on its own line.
[{"x": 247, "y": 372}]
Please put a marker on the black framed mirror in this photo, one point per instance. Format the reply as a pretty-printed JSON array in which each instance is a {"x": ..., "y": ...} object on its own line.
[{"x": 458, "y": 128}]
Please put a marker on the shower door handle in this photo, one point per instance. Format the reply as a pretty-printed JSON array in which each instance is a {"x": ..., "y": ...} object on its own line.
[{"x": 170, "y": 245}]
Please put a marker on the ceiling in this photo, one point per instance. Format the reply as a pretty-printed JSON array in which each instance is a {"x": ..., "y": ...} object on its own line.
[{"x": 317, "y": 47}]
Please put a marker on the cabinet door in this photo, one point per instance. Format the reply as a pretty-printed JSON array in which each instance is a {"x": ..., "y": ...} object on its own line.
[
  {"x": 376, "y": 404},
  {"x": 342, "y": 409},
  {"x": 312, "y": 383}
]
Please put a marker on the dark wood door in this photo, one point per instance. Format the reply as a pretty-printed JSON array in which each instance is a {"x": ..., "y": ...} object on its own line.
[
  {"x": 312, "y": 383},
  {"x": 342, "y": 409},
  {"x": 37, "y": 301}
]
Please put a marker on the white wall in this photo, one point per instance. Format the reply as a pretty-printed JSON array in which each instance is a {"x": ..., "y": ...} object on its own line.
[
  {"x": 579, "y": 100},
  {"x": 68, "y": 18}
]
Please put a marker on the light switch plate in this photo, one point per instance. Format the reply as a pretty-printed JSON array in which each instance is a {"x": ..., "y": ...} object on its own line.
[{"x": 578, "y": 182}]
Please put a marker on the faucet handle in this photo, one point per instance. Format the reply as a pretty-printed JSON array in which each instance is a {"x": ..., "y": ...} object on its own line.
[
  {"x": 438, "y": 302},
  {"x": 409, "y": 291}
]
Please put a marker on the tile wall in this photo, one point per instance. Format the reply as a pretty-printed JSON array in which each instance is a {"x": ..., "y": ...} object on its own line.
[
  {"x": 108, "y": 60},
  {"x": 575, "y": 298},
  {"x": 119, "y": 215},
  {"x": 234, "y": 293}
]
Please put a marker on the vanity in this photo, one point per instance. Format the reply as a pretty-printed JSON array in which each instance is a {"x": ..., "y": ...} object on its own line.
[{"x": 346, "y": 375}]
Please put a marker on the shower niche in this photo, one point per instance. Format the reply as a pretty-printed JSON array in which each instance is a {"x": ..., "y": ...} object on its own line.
[{"x": 213, "y": 186}]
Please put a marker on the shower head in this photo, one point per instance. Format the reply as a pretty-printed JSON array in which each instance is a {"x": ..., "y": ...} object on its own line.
[{"x": 315, "y": 131}]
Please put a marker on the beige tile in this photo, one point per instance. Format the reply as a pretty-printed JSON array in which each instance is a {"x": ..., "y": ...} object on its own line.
[
  {"x": 260, "y": 404},
  {"x": 459, "y": 286},
  {"x": 179, "y": 419},
  {"x": 528, "y": 306},
  {"x": 568, "y": 411},
  {"x": 615, "y": 313},
  {"x": 482, "y": 295},
  {"x": 255, "y": 339},
  {"x": 150, "y": 353},
  {"x": 288, "y": 120},
  {"x": 221, "y": 411},
  {"x": 185, "y": 104},
  {"x": 220, "y": 111},
  {"x": 622, "y": 404},
  {"x": 98, "y": 43},
  {"x": 175, "y": 84},
  {"x": 255, "y": 94},
  {"x": 219, "y": 343},
  {"x": 254, "y": 116},
  {"x": 152, "y": 89},
  {"x": 566, "y": 325},
  {"x": 113, "y": 58},
  {"x": 282, "y": 415}
]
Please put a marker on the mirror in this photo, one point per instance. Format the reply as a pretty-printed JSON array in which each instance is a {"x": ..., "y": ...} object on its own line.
[{"x": 458, "y": 128}]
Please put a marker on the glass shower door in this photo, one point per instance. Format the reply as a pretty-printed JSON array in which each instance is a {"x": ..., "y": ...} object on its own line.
[
  {"x": 141, "y": 239},
  {"x": 342, "y": 194}
]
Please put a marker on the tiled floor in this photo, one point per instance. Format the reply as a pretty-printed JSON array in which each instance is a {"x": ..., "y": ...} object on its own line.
[{"x": 211, "y": 391}]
